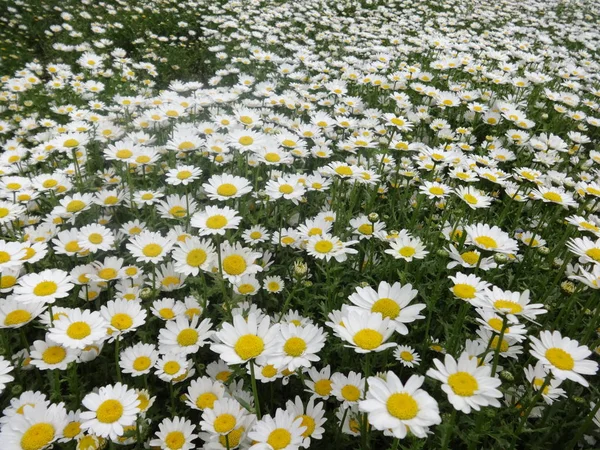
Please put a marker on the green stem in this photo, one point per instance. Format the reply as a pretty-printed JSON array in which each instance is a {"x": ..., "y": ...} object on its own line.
[
  {"x": 449, "y": 430},
  {"x": 255, "y": 391},
  {"x": 499, "y": 345}
]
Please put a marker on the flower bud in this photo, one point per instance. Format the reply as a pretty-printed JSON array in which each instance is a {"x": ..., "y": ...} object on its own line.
[
  {"x": 373, "y": 217},
  {"x": 568, "y": 287},
  {"x": 146, "y": 294},
  {"x": 500, "y": 258},
  {"x": 507, "y": 376}
]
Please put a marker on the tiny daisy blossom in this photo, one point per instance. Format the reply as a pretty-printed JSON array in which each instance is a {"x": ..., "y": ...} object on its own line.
[
  {"x": 467, "y": 287},
  {"x": 469, "y": 259},
  {"x": 247, "y": 339},
  {"x": 391, "y": 301},
  {"x": 564, "y": 357},
  {"x": 319, "y": 384},
  {"x": 149, "y": 247},
  {"x": 225, "y": 415},
  {"x": 312, "y": 418},
  {"x": 176, "y": 433},
  {"x": 536, "y": 376},
  {"x": 138, "y": 359},
  {"x": 490, "y": 238},
  {"x": 407, "y": 248},
  {"x": 392, "y": 405},
  {"x": 79, "y": 328},
  {"x": 110, "y": 410},
  {"x": 347, "y": 389},
  {"x": 407, "y": 356},
  {"x": 365, "y": 331},
  {"x": 467, "y": 385},
  {"x": 183, "y": 174},
  {"x": 203, "y": 392},
  {"x": 184, "y": 336},
  {"x": 298, "y": 346},
  {"x": 45, "y": 286},
  {"x": 282, "y": 432},
  {"x": 513, "y": 304}
]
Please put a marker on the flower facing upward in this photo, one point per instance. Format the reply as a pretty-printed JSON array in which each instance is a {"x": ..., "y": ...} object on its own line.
[
  {"x": 149, "y": 247},
  {"x": 282, "y": 432}
]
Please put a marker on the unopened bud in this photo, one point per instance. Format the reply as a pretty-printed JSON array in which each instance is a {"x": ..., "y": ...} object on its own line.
[
  {"x": 373, "y": 217},
  {"x": 146, "y": 294},
  {"x": 507, "y": 376},
  {"x": 500, "y": 258},
  {"x": 568, "y": 287},
  {"x": 580, "y": 400},
  {"x": 16, "y": 389},
  {"x": 442, "y": 253},
  {"x": 557, "y": 263},
  {"x": 543, "y": 250}
]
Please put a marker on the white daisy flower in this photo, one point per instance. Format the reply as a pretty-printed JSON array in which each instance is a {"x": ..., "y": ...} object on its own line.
[
  {"x": 176, "y": 433},
  {"x": 282, "y": 432},
  {"x": 78, "y": 329},
  {"x": 45, "y": 286},
  {"x": 184, "y": 336},
  {"x": 224, "y": 186}
]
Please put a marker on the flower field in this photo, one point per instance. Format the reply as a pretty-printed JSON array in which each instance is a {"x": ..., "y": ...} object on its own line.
[{"x": 275, "y": 225}]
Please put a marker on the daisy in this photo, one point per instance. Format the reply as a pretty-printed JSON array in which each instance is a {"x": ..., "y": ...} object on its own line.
[
  {"x": 67, "y": 243},
  {"x": 365, "y": 331},
  {"x": 312, "y": 418},
  {"x": 15, "y": 314},
  {"x": 138, "y": 359},
  {"x": 219, "y": 371},
  {"x": 564, "y": 357},
  {"x": 554, "y": 195},
  {"x": 470, "y": 259},
  {"x": 149, "y": 247},
  {"x": 288, "y": 187},
  {"x": 267, "y": 373},
  {"x": 167, "y": 279},
  {"x": 494, "y": 323},
  {"x": 194, "y": 255},
  {"x": 48, "y": 355},
  {"x": 203, "y": 393},
  {"x": 184, "y": 336},
  {"x": 183, "y": 174},
  {"x": 513, "y": 304},
  {"x": 399, "y": 408},
  {"x": 176, "y": 433},
  {"x": 364, "y": 228},
  {"x": 282, "y": 432},
  {"x": 78, "y": 329},
  {"x": 467, "y": 287},
  {"x": 467, "y": 385},
  {"x": 246, "y": 340},
  {"x": 435, "y": 189},
  {"x": 347, "y": 389},
  {"x": 584, "y": 224},
  {"x": 95, "y": 237},
  {"x": 110, "y": 410},
  {"x": 407, "y": 248},
  {"x": 225, "y": 415},
  {"x": 5, "y": 369},
  {"x": 237, "y": 261},
  {"x": 255, "y": 235},
  {"x": 490, "y": 239},
  {"x": 407, "y": 356},
  {"x": 224, "y": 186},
  {"x": 109, "y": 269},
  {"x": 298, "y": 346},
  {"x": 587, "y": 249},
  {"x": 327, "y": 246},
  {"x": 536, "y": 376},
  {"x": 320, "y": 384},
  {"x": 167, "y": 308},
  {"x": 37, "y": 428},
  {"x": 18, "y": 404},
  {"x": 215, "y": 220},
  {"x": 391, "y": 301},
  {"x": 172, "y": 367},
  {"x": 11, "y": 254},
  {"x": 474, "y": 198},
  {"x": 273, "y": 284},
  {"x": 45, "y": 286},
  {"x": 507, "y": 348}
]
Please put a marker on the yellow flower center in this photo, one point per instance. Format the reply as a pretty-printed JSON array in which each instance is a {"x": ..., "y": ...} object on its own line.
[
  {"x": 206, "y": 400},
  {"x": 496, "y": 324},
  {"x": 463, "y": 384},
  {"x": 286, "y": 189},
  {"x": 503, "y": 345},
  {"x": 223, "y": 376},
  {"x": 124, "y": 154},
  {"x": 464, "y": 291},
  {"x": 72, "y": 429},
  {"x": 366, "y": 228},
  {"x": 269, "y": 371},
  {"x": 279, "y": 438},
  {"x": 175, "y": 440},
  {"x": 272, "y": 157},
  {"x": 471, "y": 199},
  {"x": 402, "y": 406},
  {"x": 350, "y": 393},
  {"x": 152, "y": 250},
  {"x": 594, "y": 253},
  {"x": 75, "y": 206},
  {"x": 177, "y": 211},
  {"x": 323, "y": 246},
  {"x": 406, "y": 356},
  {"x": 224, "y": 423},
  {"x": 166, "y": 313},
  {"x": 245, "y": 288},
  {"x": 70, "y": 143},
  {"x": 435, "y": 190},
  {"x": 486, "y": 242},
  {"x": 216, "y": 222},
  {"x": 121, "y": 321},
  {"x": 13, "y": 186},
  {"x": 196, "y": 257},
  {"x": 171, "y": 367},
  {"x": 95, "y": 238},
  {"x": 407, "y": 252},
  {"x": 553, "y": 197},
  {"x": 187, "y": 337},
  {"x": 37, "y": 436},
  {"x": 246, "y": 140},
  {"x": 4, "y": 212},
  {"x": 294, "y": 346},
  {"x": 16, "y": 317},
  {"x": 184, "y": 174},
  {"x": 234, "y": 265},
  {"x": 45, "y": 288},
  {"x": 386, "y": 307},
  {"x": 249, "y": 346},
  {"x": 109, "y": 411},
  {"x": 470, "y": 257},
  {"x": 79, "y": 330},
  {"x": 255, "y": 235},
  {"x": 108, "y": 273},
  {"x": 507, "y": 305},
  {"x": 368, "y": 339},
  {"x": 227, "y": 190},
  {"x": 309, "y": 423},
  {"x": 141, "y": 363},
  {"x": 560, "y": 358},
  {"x": 344, "y": 170},
  {"x": 323, "y": 387},
  {"x": 54, "y": 355}
]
